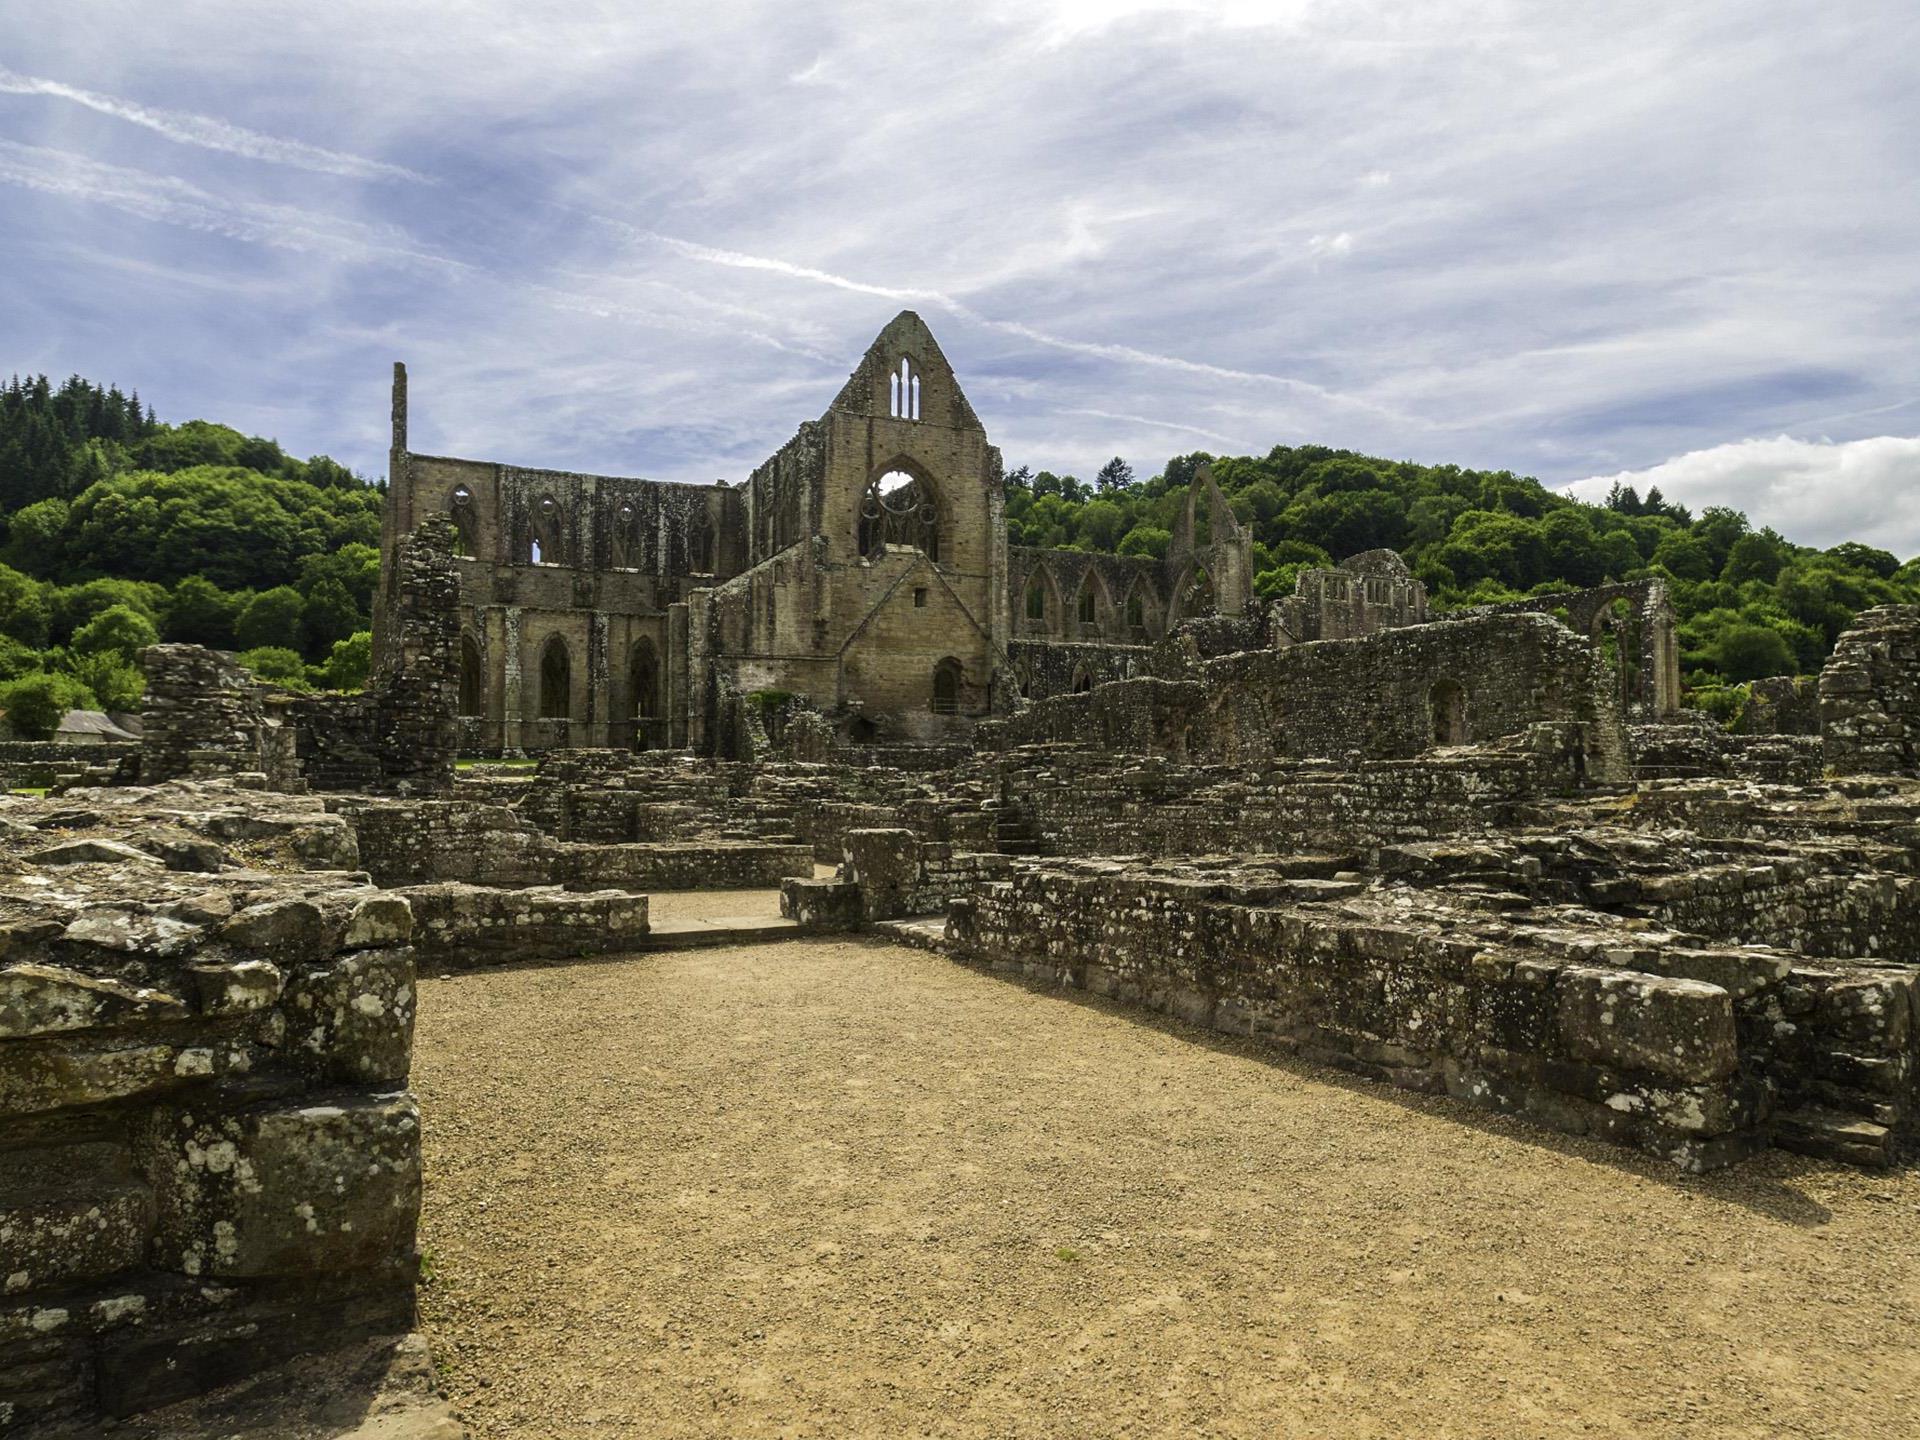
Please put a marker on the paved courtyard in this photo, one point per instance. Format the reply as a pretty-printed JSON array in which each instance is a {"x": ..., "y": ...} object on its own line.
[{"x": 850, "y": 1188}]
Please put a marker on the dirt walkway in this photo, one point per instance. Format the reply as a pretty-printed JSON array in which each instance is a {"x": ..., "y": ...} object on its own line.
[{"x": 828, "y": 1189}]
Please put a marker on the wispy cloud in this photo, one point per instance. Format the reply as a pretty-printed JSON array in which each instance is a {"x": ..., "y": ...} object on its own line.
[
  {"x": 211, "y": 133},
  {"x": 172, "y": 201},
  {"x": 1152, "y": 423},
  {"x": 1128, "y": 354}
]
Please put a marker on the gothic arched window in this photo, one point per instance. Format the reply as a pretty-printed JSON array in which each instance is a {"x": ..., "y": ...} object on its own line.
[
  {"x": 460, "y": 508},
  {"x": 1037, "y": 597},
  {"x": 473, "y": 693},
  {"x": 899, "y": 509},
  {"x": 556, "y": 681},
  {"x": 546, "y": 541},
  {"x": 903, "y": 393},
  {"x": 646, "y": 681}
]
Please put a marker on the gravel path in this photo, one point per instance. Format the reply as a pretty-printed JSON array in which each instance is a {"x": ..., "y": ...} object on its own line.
[{"x": 848, "y": 1188}]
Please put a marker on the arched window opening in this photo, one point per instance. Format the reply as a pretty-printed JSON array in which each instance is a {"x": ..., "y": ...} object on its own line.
[
  {"x": 1196, "y": 596},
  {"x": 546, "y": 537},
  {"x": 700, "y": 558},
  {"x": 946, "y": 687},
  {"x": 645, "y": 673},
  {"x": 556, "y": 681},
  {"x": 626, "y": 536},
  {"x": 1082, "y": 681},
  {"x": 1447, "y": 705},
  {"x": 1088, "y": 607},
  {"x": 460, "y": 508},
  {"x": 1037, "y": 598},
  {"x": 903, "y": 392},
  {"x": 1136, "y": 610},
  {"x": 473, "y": 695},
  {"x": 899, "y": 509}
]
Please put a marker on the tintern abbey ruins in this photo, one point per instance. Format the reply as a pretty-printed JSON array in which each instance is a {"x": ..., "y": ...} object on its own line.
[{"x": 1484, "y": 857}]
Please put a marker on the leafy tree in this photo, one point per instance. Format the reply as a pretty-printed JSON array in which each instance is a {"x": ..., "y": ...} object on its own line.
[
  {"x": 201, "y": 613},
  {"x": 74, "y": 605},
  {"x": 1684, "y": 556},
  {"x": 271, "y": 620},
  {"x": 119, "y": 631},
  {"x": 329, "y": 614},
  {"x": 1116, "y": 474},
  {"x": 36, "y": 704},
  {"x": 34, "y": 537},
  {"x": 1751, "y": 652},
  {"x": 1855, "y": 556},
  {"x": 116, "y": 684},
  {"x": 1146, "y": 540},
  {"x": 350, "y": 662},
  {"x": 1101, "y": 523},
  {"x": 1755, "y": 557},
  {"x": 23, "y": 607},
  {"x": 277, "y": 663}
]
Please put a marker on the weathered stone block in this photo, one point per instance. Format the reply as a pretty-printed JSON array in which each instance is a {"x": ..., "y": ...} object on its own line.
[
  {"x": 1679, "y": 1028},
  {"x": 300, "y": 1190},
  {"x": 50, "y": 999}
]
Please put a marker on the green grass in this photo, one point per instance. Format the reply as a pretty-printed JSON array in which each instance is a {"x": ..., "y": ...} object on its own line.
[
  {"x": 35, "y": 790},
  {"x": 1068, "y": 1254},
  {"x": 496, "y": 764}
]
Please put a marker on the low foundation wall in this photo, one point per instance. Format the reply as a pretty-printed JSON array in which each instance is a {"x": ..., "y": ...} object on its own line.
[
  {"x": 424, "y": 842},
  {"x": 457, "y": 927},
  {"x": 1686, "y": 1056}
]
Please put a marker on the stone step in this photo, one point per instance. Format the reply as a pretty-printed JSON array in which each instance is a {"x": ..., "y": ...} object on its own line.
[{"x": 1834, "y": 1135}]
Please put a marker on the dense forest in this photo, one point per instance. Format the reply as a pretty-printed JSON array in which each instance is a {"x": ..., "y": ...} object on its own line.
[{"x": 117, "y": 530}]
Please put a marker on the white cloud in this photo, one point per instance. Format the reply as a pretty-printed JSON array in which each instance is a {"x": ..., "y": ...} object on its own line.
[
  {"x": 210, "y": 133},
  {"x": 1815, "y": 492}
]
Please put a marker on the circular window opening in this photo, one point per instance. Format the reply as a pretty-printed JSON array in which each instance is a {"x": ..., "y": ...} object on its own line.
[
  {"x": 462, "y": 495},
  {"x": 898, "y": 492}
]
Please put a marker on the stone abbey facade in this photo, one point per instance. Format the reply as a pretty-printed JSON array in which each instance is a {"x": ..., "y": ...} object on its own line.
[{"x": 863, "y": 567}]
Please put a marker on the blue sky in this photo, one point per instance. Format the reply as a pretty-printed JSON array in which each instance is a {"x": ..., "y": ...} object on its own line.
[{"x": 1676, "y": 242}]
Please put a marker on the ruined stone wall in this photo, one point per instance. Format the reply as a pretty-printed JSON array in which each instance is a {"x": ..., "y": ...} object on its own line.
[
  {"x": 457, "y": 927},
  {"x": 1363, "y": 595},
  {"x": 1044, "y": 669},
  {"x": 1084, "y": 802},
  {"x": 1870, "y": 695},
  {"x": 201, "y": 714},
  {"x": 37, "y": 762},
  {"x": 1053, "y": 590},
  {"x": 889, "y": 874},
  {"x": 1631, "y": 620},
  {"x": 1681, "y": 1051},
  {"x": 1392, "y": 695},
  {"x": 416, "y": 843},
  {"x": 182, "y": 1086}
]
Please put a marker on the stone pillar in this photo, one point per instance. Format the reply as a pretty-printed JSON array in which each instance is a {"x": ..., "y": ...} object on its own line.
[{"x": 680, "y": 728}]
